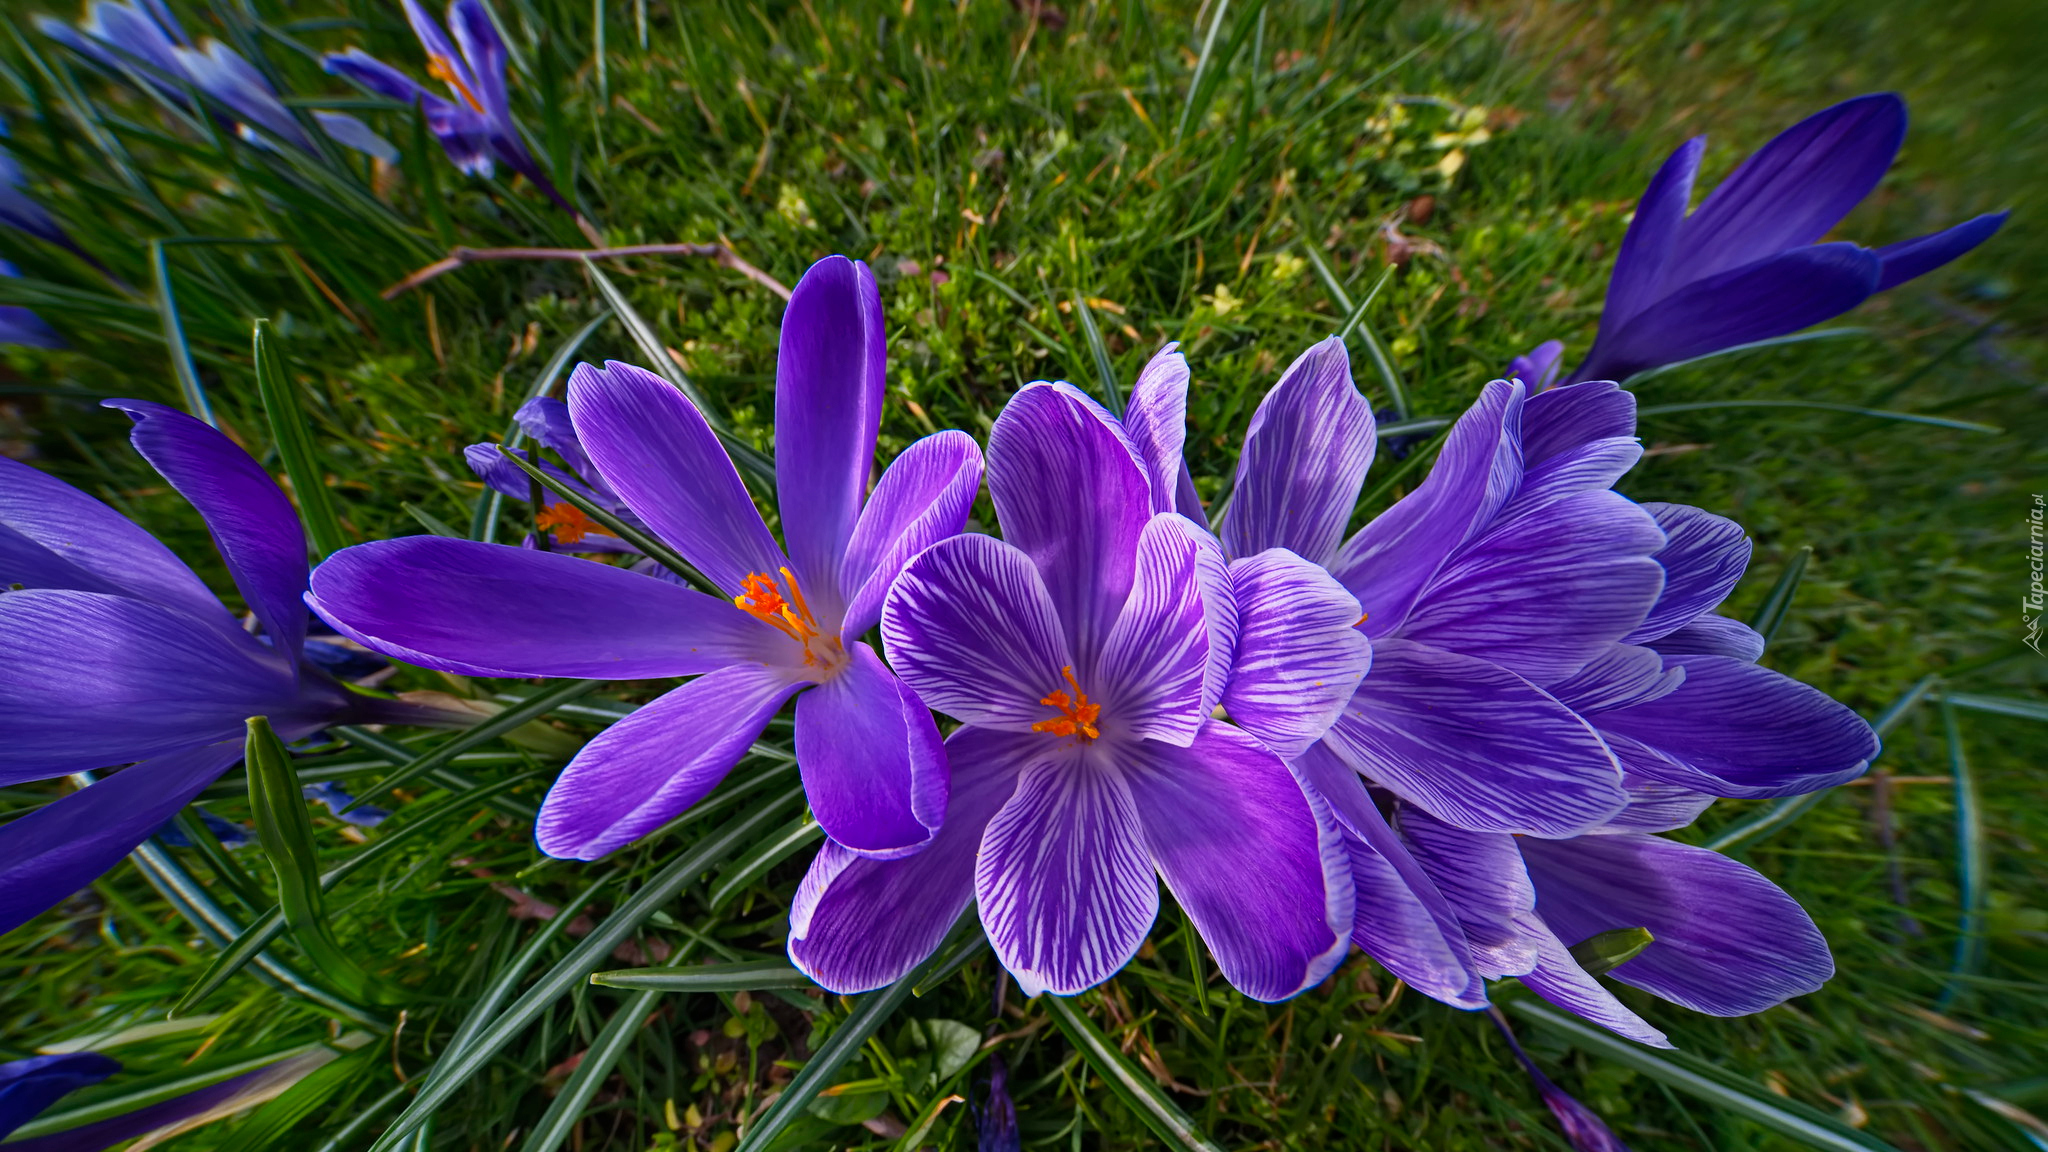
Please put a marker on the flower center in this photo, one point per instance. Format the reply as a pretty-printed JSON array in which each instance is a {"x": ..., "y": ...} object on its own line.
[
  {"x": 1077, "y": 716},
  {"x": 443, "y": 69},
  {"x": 567, "y": 523},
  {"x": 763, "y": 600}
]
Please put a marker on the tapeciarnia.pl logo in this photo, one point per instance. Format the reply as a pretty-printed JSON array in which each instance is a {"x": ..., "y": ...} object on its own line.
[{"x": 2032, "y": 607}]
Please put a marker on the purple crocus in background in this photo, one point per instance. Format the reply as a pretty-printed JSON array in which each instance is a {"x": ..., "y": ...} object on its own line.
[
  {"x": 869, "y": 752},
  {"x": 28, "y": 1087},
  {"x": 547, "y": 422},
  {"x": 475, "y": 127},
  {"x": 113, "y": 652},
  {"x": 1747, "y": 265},
  {"x": 19, "y": 325},
  {"x": 1084, "y": 654},
  {"x": 1586, "y": 1131},
  {"x": 144, "y": 41}
]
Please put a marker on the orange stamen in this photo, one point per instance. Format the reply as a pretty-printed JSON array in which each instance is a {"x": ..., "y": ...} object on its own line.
[
  {"x": 443, "y": 69},
  {"x": 568, "y": 524},
  {"x": 763, "y": 600},
  {"x": 1077, "y": 716}
]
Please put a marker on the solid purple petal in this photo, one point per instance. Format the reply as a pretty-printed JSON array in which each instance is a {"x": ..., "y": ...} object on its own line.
[
  {"x": 1542, "y": 594},
  {"x": 482, "y": 49},
  {"x": 1064, "y": 878},
  {"x": 29, "y": 1086},
  {"x": 100, "y": 541},
  {"x": 364, "y": 69},
  {"x": 652, "y": 766},
  {"x": 65, "y": 845},
  {"x": 436, "y": 41},
  {"x": 1071, "y": 494},
  {"x": 1737, "y": 729},
  {"x": 1304, "y": 460},
  {"x": 1727, "y": 941},
  {"x": 923, "y": 497},
  {"x": 1793, "y": 190},
  {"x": 1263, "y": 875},
  {"x": 1772, "y": 297},
  {"x": 1153, "y": 675},
  {"x": 1619, "y": 675},
  {"x": 1538, "y": 367},
  {"x": 350, "y": 132},
  {"x": 1389, "y": 561},
  {"x": 1300, "y": 655},
  {"x": 1703, "y": 557},
  {"x": 872, "y": 766},
  {"x": 858, "y": 923},
  {"x": 1559, "y": 979},
  {"x": 21, "y": 326},
  {"x": 830, "y": 375},
  {"x": 253, "y": 524},
  {"x": 970, "y": 628},
  {"x": 547, "y": 420},
  {"x": 1589, "y": 467},
  {"x": 1156, "y": 420},
  {"x": 1647, "y": 249},
  {"x": 1573, "y": 416},
  {"x": 221, "y": 73},
  {"x": 496, "y": 610},
  {"x": 1483, "y": 877},
  {"x": 89, "y": 680},
  {"x": 655, "y": 450},
  {"x": 1475, "y": 745},
  {"x": 1917, "y": 257},
  {"x": 1400, "y": 917},
  {"x": 1711, "y": 635}
]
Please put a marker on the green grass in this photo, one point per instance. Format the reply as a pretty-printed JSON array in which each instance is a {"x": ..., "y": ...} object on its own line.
[{"x": 994, "y": 171}]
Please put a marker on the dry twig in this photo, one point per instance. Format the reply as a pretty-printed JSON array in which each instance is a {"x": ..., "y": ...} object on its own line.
[{"x": 461, "y": 256}]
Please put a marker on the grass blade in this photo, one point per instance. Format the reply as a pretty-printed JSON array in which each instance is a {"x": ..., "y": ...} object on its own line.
[
  {"x": 1970, "y": 862},
  {"x": 536, "y": 706},
  {"x": 1112, "y": 396},
  {"x": 1739, "y": 349},
  {"x": 744, "y": 976},
  {"x": 457, "y": 1065},
  {"x": 1126, "y": 1081},
  {"x": 1770, "y": 615},
  {"x": 1704, "y": 1081},
  {"x": 1357, "y": 315},
  {"x": 294, "y": 438},
  {"x": 182, "y": 368},
  {"x": 1818, "y": 406},
  {"x": 766, "y": 855},
  {"x": 286, "y": 834},
  {"x": 872, "y": 1011},
  {"x": 1999, "y": 705},
  {"x": 555, "y": 1127}
]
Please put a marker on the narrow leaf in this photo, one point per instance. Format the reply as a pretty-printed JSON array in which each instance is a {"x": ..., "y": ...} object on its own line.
[
  {"x": 2002, "y": 705},
  {"x": 869, "y": 1014},
  {"x": 755, "y": 864},
  {"x": 1817, "y": 406},
  {"x": 294, "y": 437},
  {"x": 1126, "y": 1080},
  {"x": 1770, "y": 615},
  {"x": 536, "y": 706},
  {"x": 182, "y": 368},
  {"x": 649, "y": 544},
  {"x": 1970, "y": 863},
  {"x": 744, "y": 976},
  {"x": 1112, "y": 396},
  {"x": 1609, "y": 950},
  {"x": 1696, "y": 1077}
]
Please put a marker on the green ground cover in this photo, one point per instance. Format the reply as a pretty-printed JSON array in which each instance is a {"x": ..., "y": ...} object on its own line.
[{"x": 1050, "y": 195}]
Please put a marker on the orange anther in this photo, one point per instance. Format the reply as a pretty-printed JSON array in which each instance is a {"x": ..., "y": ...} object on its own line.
[
  {"x": 443, "y": 69},
  {"x": 764, "y": 601},
  {"x": 567, "y": 523},
  {"x": 1077, "y": 716}
]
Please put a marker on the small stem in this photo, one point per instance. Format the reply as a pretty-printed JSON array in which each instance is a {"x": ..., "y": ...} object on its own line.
[{"x": 461, "y": 256}]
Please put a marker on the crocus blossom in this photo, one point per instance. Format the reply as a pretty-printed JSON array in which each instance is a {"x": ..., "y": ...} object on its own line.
[
  {"x": 1582, "y": 1126},
  {"x": 144, "y": 41},
  {"x": 1084, "y": 654},
  {"x": 1747, "y": 264},
  {"x": 113, "y": 652},
  {"x": 547, "y": 422},
  {"x": 28, "y": 1087},
  {"x": 474, "y": 122},
  {"x": 19, "y": 325},
  {"x": 789, "y": 623}
]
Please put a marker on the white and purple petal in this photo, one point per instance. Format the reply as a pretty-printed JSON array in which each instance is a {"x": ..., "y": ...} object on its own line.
[
  {"x": 1483, "y": 877},
  {"x": 923, "y": 497},
  {"x": 1157, "y": 422},
  {"x": 1156, "y": 666},
  {"x": 1299, "y": 653},
  {"x": 1703, "y": 558},
  {"x": 970, "y": 628},
  {"x": 1305, "y": 457}
]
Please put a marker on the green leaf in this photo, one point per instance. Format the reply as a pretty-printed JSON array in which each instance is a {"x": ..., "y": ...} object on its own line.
[
  {"x": 1112, "y": 396},
  {"x": 1608, "y": 950},
  {"x": 744, "y": 976},
  {"x": 182, "y": 368},
  {"x": 1696, "y": 1077},
  {"x": 870, "y": 1012},
  {"x": 1816, "y": 406},
  {"x": 286, "y": 834},
  {"x": 646, "y": 542},
  {"x": 1739, "y": 349},
  {"x": 457, "y": 1065},
  {"x": 267, "y": 1125},
  {"x": 395, "y": 754},
  {"x": 755, "y": 864},
  {"x": 2002, "y": 705},
  {"x": 1971, "y": 863},
  {"x": 963, "y": 943},
  {"x": 294, "y": 437},
  {"x": 1126, "y": 1081},
  {"x": 1770, "y": 615},
  {"x": 951, "y": 1043},
  {"x": 535, "y": 706}
]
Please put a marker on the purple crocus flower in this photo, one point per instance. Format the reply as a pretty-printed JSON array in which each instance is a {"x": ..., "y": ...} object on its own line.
[
  {"x": 144, "y": 41},
  {"x": 475, "y": 127},
  {"x": 20, "y": 211},
  {"x": 1725, "y": 940},
  {"x": 28, "y": 1087},
  {"x": 1084, "y": 655},
  {"x": 1747, "y": 265},
  {"x": 1582, "y": 1126},
  {"x": 113, "y": 652},
  {"x": 870, "y": 755},
  {"x": 547, "y": 422}
]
